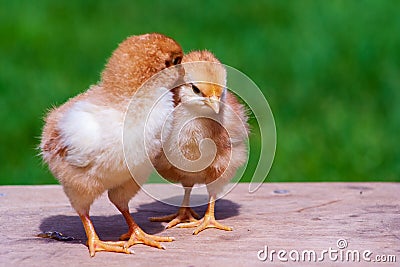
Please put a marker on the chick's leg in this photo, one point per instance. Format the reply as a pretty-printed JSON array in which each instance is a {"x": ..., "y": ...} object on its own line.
[
  {"x": 184, "y": 214},
  {"x": 95, "y": 244},
  {"x": 81, "y": 201},
  {"x": 208, "y": 221},
  {"x": 120, "y": 197}
]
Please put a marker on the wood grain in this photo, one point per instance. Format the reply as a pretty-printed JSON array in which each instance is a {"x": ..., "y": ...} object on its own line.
[{"x": 288, "y": 216}]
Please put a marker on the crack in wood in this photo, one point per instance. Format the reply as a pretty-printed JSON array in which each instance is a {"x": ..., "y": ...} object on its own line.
[{"x": 318, "y": 206}]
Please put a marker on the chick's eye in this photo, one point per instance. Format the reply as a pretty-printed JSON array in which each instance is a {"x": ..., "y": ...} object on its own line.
[
  {"x": 177, "y": 60},
  {"x": 195, "y": 89}
]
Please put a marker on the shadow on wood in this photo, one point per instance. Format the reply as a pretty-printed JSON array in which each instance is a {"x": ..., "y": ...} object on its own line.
[
  {"x": 111, "y": 227},
  {"x": 223, "y": 208}
]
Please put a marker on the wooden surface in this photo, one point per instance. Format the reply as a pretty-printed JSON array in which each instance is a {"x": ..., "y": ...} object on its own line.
[{"x": 310, "y": 216}]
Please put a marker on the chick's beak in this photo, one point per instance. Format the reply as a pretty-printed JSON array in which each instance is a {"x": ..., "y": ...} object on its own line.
[{"x": 213, "y": 102}]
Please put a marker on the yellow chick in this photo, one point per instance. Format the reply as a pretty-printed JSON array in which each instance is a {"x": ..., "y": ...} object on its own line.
[
  {"x": 82, "y": 139},
  {"x": 204, "y": 110}
]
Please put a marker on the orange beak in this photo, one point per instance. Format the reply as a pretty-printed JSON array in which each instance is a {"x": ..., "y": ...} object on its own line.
[{"x": 213, "y": 102}]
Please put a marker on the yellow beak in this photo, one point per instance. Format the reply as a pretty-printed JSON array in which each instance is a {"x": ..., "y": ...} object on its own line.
[{"x": 213, "y": 102}]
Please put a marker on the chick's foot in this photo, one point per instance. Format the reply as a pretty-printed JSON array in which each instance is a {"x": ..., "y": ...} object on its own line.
[
  {"x": 207, "y": 221},
  {"x": 184, "y": 214},
  {"x": 96, "y": 245},
  {"x": 137, "y": 236}
]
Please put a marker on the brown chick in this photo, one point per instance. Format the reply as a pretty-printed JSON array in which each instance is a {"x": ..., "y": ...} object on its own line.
[
  {"x": 82, "y": 139},
  {"x": 205, "y": 110}
]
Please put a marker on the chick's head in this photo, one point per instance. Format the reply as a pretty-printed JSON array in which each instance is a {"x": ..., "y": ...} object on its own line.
[
  {"x": 137, "y": 59},
  {"x": 205, "y": 81}
]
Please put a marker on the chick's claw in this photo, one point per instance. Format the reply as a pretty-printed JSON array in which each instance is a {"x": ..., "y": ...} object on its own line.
[{"x": 184, "y": 214}]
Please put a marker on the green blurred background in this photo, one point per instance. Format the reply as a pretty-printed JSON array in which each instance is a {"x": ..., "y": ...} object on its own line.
[{"x": 329, "y": 69}]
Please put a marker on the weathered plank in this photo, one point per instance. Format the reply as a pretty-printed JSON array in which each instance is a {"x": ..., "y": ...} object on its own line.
[{"x": 309, "y": 216}]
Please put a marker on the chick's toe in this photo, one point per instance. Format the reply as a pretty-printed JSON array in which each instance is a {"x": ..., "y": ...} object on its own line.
[
  {"x": 137, "y": 236},
  {"x": 184, "y": 214}
]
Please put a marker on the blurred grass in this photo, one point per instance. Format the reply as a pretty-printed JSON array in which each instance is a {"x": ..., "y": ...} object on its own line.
[{"x": 329, "y": 69}]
